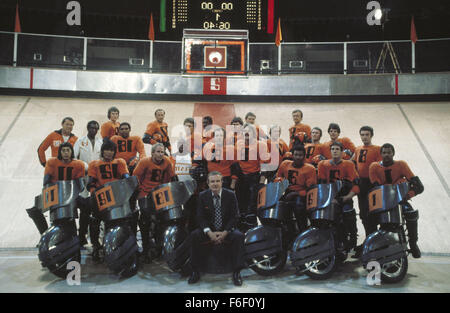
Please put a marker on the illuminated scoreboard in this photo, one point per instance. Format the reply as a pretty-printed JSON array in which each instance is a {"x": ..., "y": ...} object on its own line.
[{"x": 255, "y": 15}]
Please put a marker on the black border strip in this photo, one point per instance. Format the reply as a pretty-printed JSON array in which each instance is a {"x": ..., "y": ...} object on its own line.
[{"x": 217, "y": 98}]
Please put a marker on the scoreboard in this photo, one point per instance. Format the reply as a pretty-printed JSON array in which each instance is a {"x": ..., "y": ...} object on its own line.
[{"x": 254, "y": 15}]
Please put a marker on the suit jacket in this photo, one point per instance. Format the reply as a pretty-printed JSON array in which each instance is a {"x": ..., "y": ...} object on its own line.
[{"x": 229, "y": 207}]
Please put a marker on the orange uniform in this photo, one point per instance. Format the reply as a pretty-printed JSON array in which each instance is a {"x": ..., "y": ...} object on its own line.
[
  {"x": 300, "y": 178},
  {"x": 312, "y": 150},
  {"x": 296, "y": 129},
  {"x": 59, "y": 170},
  {"x": 282, "y": 147},
  {"x": 346, "y": 143},
  {"x": 330, "y": 172},
  {"x": 364, "y": 156},
  {"x": 109, "y": 129},
  {"x": 53, "y": 140},
  {"x": 251, "y": 156},
  {"x": 217, "y": 160},
  {"x": 151, "y": 175},
  {"x": 394, "y": 174},
  {"x": 127, "y": 148},
  {"x": 104, "y": 172},
  {"x": 158, "y": 133}
]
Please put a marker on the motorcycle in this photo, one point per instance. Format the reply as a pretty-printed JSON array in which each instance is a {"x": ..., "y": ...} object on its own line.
[
  {"x": 111, "y": 204},
  {"x": 168, "y": 200},
  {"x": 389, "y": 245},
  {"x": 59, "y": 245},
  {"x": 267, "y": 244},
  {"x": 318, "y": 250}
]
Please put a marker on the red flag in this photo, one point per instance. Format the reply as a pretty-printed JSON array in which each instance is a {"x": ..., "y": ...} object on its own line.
[
  {"x": 278, "y": 37},
  {"x": 151, "y": 29},
  {"x": 17, "y": 28},
  {"x": 413, "y": 31}
]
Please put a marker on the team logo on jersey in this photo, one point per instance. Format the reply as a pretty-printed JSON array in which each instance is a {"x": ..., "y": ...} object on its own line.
[{"x": 56, "y": 143}]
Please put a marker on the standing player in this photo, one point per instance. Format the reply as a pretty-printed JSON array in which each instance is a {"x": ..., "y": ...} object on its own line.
[
  {"x": 56, "y": 138},
  {"x": 334, "y": 131},
  {"x": 111, "y": 127},
  {"x": 87, "y": 149},
  {"x": 128, "y": 147},
  {"x": 106, "y": 169},
  {"x": 298, "y": 127},
  {"x": 250, "y": 118},
  {"x": 363, "y": 157},
  {"x": 389, "y": 171},
  {"x": 335, "y": 169},
  {"x": 152, "y": 172},
  {"x": 157, "y": 131},
  {"x": 63, "y": 167},
  {"x": 315, "y": 150},
  {"x": 301, "y": 176}
]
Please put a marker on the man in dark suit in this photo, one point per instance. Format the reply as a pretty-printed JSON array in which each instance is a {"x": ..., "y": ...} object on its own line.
[{"x": 217, "y": 214}]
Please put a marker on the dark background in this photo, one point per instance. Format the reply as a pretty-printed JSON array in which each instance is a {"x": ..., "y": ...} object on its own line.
[{"x": 302, "y": 20}]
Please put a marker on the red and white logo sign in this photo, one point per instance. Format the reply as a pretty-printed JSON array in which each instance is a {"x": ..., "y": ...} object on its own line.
[
  {"x": 215, "y": 57},
  {"x": 214, "y": 85}
]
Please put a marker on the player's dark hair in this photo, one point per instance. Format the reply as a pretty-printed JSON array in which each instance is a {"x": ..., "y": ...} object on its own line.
[
  {"x": 250, "y": 114},
  {"x": 92, "y": 123},
  {"x": 237, "y": 119},
  {"x": 387, "y": 146},
  {"x": 189, "y": 120},
  {"x": 334, "y": 126},
  {"x": 65, "y": 144},
  {"x": 207, "y": 119},
  {"x": 319, "y": 129},
  {"x": 108, "y": 145},
  {"x": 125, "y": 123},
  {"x": 112, "y": 109},
  {"x": 366, "y": 128},
  {"x": 297, "y": 111},
  {"x": 68, "y": 118},
  {"x": 299, "y": 147},
  {"x": 337, "y": 143}
]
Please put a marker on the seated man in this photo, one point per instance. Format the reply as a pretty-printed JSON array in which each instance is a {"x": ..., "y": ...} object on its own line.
[
  {"x": 389, "y": 171},
  {"x": 217, "y": 215},
  {"x": 63, "y": 167}
]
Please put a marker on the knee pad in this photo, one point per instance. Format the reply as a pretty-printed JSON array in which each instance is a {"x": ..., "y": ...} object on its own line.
[{"x": 410, "y": 214}]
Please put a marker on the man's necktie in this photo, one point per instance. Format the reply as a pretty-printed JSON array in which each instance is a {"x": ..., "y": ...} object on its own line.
[{"x": 217, "y": 213}]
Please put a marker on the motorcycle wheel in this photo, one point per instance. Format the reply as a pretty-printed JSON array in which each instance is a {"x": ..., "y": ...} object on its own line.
[
  {"x": 321, "y": 269},
  {"x": 61, "y": 270},
  {"x": 394, "y": 272},
  {"x": 268, "y": 265}
]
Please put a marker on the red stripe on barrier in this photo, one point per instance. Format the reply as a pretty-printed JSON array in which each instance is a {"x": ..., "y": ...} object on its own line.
[
  {"x": 396, "y": 84},
  {"x": 31, "y": 77}
]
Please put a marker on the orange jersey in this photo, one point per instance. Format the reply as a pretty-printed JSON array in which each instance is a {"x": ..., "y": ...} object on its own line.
[
  {"x": 330, "y": 172},
  {"x": 128, "y": 148},
  {"x": 151, "y": 175},
  {"x": 54, "y": 140},
  {"x": 312, "y": 150},
  {"x": 296, "y": 129},
  {"x": 300, "y": 178},
  {"x": 394, "y": 174},
  {"x": 159, "y": 133},
  {"x": 282, "y": 147},
  {"x": 104, "y": 172},
  {"x": 59, "y": 170},
  {"x": 109, "y": 129},
  {"x": 346, "y": 143},
  {"x": 217, "y": 160},
  {"x": 364, "y": 156},
  {"x": 251, "y": 156}
]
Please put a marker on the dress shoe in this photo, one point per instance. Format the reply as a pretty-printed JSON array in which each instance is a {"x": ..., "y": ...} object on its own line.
[
  {"x": 237, "y": 279},
  {"x": 195, "y": 277}
]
